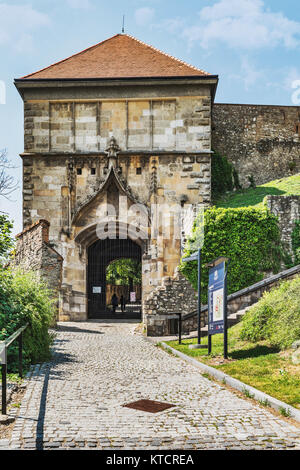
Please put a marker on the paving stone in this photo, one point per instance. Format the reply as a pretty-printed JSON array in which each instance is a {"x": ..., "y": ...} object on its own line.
[{"x": 76, "y": 401}]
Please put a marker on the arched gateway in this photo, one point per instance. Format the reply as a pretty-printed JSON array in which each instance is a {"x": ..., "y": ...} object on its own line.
[
  {"x": 117, "y": 160},
  {"x": 100, "y": 255}
]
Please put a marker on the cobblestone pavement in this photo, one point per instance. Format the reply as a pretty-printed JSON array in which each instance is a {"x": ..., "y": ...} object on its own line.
[{"x": 76, "y": 400}]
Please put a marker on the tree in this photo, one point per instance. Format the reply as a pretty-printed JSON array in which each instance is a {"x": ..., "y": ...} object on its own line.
[
  {"x": 7, "y": 182},
  {"x": 124, "y": 272},
  {"x": 6, "y": 240}
]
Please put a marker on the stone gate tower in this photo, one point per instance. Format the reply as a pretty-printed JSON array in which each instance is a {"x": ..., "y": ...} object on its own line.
[{"x": 119, "y": 119}]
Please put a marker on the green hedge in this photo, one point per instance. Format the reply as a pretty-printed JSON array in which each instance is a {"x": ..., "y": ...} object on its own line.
[
  {"x": 248, "y": 236},
  {"x": 6, "y": 239},
  {"x": 26, "y": 299},
  {"x": 276, "y": 317}
]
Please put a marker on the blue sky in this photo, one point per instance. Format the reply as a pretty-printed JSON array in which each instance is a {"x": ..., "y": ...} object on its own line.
[{"x": 253, "y": 45}]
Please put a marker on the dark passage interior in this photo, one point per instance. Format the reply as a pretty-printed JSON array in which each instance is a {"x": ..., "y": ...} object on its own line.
[{"x": 100, "y": 255}]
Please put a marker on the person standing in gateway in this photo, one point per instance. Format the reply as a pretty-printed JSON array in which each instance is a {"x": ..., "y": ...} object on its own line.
[
  {"x": 123, "y": 303},
  {"x": 115, "y": 302}
]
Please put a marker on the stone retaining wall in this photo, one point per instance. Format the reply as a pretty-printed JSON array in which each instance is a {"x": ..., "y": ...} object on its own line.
[
  {"x": 175, "y": 295},
  {"x": 287, "y": 209}
]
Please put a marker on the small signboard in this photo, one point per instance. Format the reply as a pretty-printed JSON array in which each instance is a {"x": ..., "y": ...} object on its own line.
[
  {"x": 97, "y": 290},
  {"x": 132, "y": 297},
  {"x": 216, "y": 298}
]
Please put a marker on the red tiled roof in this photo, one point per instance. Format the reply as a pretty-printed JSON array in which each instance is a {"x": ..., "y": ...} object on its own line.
[{"x": 121, "y": 56}]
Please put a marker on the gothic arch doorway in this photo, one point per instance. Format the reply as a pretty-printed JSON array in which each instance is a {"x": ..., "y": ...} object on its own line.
[{"x": 100, "y": 254}]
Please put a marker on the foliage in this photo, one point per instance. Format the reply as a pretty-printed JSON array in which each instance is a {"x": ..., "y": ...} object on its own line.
[
  {"x": 248, "y": 236},
  {"x": 296, "y": 242},
  {"x": 124, "y": 272},
  {"x": 223, "y": 175},
  {"x": 276, "y": 317},
  {"x": 26, "y": 299},
  {"x": 6, "y": 240}
]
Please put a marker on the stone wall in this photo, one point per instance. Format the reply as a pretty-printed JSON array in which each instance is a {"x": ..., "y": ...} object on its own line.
[
  {"x": 287, "y": 209},
  {"x": 33, "y": 252},
  {"x": 181, "y": 123},
  {"x": 261, "y": 141},
  {"x": 174, "y": 295}
]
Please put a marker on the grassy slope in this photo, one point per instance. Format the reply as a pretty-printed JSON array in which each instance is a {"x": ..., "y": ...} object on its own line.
[
  {"x": 255, "y": 364},
  {"x": 254, "y": 197}
]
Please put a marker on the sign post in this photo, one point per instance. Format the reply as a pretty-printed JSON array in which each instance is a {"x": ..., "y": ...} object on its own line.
[
  {"x": 197, "y": 257},
  {"x": 217, "y": 301}
]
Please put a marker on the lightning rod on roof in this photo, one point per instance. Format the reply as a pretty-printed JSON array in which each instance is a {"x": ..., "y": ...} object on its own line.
[{"x": 123, "y": 27}]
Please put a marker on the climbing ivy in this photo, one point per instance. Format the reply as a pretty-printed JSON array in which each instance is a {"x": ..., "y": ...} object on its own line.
[{"x": 248, "y": 236}]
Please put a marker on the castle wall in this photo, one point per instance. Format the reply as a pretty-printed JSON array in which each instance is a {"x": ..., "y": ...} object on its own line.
[{"x": 261, "y": 141}]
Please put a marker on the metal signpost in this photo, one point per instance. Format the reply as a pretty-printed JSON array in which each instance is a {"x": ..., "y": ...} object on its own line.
[
  {"x": 197, "y": 257},
  {"x": 217, "y": 301}
]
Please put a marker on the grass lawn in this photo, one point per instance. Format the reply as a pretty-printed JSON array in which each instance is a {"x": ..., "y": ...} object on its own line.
[
  {"x": 258, "y": 365},
  {"x": 254, "y": 196}
]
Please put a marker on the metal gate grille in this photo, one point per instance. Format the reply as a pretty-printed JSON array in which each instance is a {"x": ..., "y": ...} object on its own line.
[{"x": 100, "y": 255}]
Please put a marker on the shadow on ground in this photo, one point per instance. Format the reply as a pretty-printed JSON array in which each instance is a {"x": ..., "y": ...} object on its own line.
[
  {"x": 75, "y": 329},
  {"x": 256, "y": 351}
]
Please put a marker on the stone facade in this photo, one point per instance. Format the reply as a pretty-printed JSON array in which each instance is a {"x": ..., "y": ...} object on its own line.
[
  {"x": 89, "y": 145},
  {"x": 287, "y": 209},
  {"x": 262, "y": 142}
]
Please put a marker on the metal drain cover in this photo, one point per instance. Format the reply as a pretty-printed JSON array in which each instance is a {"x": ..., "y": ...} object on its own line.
[{"x": 149, "y": 406}]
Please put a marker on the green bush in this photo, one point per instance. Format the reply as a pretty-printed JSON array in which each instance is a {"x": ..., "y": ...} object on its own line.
[
  {"x": 6, "y": 240},
  {"x": 276, "y": 317},
  {"x": 248, "y": 236},
  {"x": 26, "y": 299}
]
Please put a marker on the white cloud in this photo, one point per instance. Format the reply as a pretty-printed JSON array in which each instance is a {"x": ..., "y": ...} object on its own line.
[
  {"x": 291, "y": 75},
  {"x": 172, "y": 25},
  {"x": 17, "y": 23},
  {"x": 249, "y": 73},
  {"x": 79, "y": 3},
  {"x": 144, "y": 15},
  {"x": 242, "y": 24}
]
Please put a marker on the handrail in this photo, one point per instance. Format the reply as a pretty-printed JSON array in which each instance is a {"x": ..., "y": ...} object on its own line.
[{"x": 3, "y": 360}]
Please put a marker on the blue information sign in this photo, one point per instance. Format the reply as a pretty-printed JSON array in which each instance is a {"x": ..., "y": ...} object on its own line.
[{"x": 216, "y": 299}]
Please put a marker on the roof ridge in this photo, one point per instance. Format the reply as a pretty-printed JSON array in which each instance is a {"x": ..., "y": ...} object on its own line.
[
  {"x": 167, "y": 55},
  {"x": 71, "y": 56}
]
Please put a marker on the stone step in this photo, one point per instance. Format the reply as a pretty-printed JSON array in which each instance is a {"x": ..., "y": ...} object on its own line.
[{"x": 232, "y": 320}]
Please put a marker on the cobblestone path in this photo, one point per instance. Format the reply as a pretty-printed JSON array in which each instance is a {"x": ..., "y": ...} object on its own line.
[{"x": 76, "y": 400}]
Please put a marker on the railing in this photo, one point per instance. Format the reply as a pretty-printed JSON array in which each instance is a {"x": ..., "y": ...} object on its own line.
[{"x": 3, "y": 359}]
